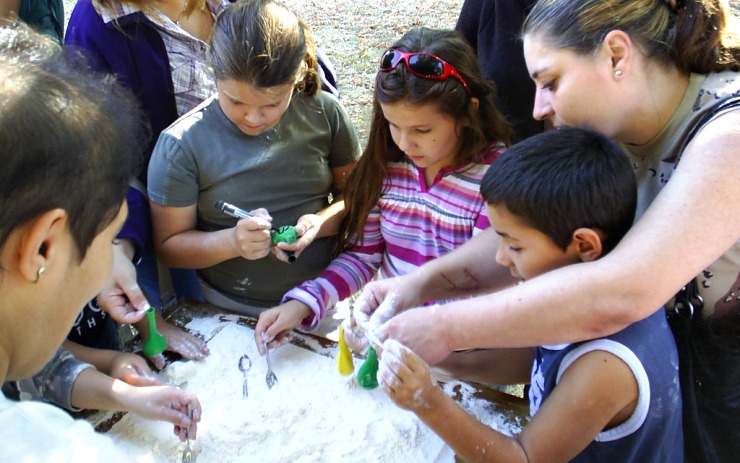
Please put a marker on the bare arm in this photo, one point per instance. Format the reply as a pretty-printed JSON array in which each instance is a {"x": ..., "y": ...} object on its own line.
[
  {"x": 584, "y": 301},
  {"x": 180, "y": 245},
  {"x": 588, "y": 403}
]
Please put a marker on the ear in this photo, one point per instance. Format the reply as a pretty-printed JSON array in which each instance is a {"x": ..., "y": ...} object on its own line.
[
  {"x": 475, "y": 102},
  {"x": 41, "y": 242},
  {"x": 586, "y": 244},
  {"x": 621, "y": 52}
]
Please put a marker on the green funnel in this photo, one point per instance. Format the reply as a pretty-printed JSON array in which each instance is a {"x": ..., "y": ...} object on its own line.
[{"x": 155, "y": 344}]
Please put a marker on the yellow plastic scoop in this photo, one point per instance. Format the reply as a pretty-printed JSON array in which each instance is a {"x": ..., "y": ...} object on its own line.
[{"x": 345, "y": 364}]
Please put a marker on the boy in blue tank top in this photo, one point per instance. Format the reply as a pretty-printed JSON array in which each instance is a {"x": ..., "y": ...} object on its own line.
[{"x": 555, "y": 199}]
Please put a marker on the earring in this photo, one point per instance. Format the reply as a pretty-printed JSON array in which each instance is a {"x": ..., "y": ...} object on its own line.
[
  {"x": 617, "y": 73},
  {"x": 39, "y": 275}
]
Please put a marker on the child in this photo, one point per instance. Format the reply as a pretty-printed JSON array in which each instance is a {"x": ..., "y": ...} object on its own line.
[
  {"x": 414, "y": 193},
  {"x": 558, "y": 198},
  {"x": 61, "y": 206},
  {"x": 269, "y": 139}
]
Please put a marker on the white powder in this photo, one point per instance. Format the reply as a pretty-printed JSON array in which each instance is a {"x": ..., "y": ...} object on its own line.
[{"x": 314, "y": 414}]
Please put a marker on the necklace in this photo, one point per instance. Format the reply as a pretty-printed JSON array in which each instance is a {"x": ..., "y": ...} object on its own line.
[{"x": 182, "y": 13}]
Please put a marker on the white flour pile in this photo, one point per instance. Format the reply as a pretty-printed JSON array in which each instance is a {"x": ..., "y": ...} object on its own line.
[{"x": 314, "y": 414}]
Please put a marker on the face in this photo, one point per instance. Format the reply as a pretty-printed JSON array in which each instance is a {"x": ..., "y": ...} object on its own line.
[
  {"x": 71, "y": 290},
  {"x": 253, "y": 110},
  {"x": 572, "y": 90},
  {"x": 527, "y": 252},
  {"x": 427, "y": 136}
]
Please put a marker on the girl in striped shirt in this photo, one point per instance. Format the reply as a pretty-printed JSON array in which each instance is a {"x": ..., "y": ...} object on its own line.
[{"x": 414, "y": 194}]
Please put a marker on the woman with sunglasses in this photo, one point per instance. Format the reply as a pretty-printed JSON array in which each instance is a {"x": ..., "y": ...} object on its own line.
[{"x": 413, "y": 195}]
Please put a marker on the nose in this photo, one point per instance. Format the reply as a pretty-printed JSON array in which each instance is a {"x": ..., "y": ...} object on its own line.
[
  {"x": 404, "y": 142},
  {"x": 502, "y": 257},
  {"x": 253, "y": 117},
  {"x": 542, "y": 108}
]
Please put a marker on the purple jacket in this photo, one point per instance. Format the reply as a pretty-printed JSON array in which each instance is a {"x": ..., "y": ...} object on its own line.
[{"x": 139, "y": 59}]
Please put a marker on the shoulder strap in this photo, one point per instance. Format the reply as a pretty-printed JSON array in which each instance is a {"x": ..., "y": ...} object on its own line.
[{"x": 722, "y": 107}]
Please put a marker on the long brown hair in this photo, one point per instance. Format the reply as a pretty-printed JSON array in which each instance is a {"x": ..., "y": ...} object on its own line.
[
  {"x": 692, "y": 35},
  {"x": 484, "y": 124}
]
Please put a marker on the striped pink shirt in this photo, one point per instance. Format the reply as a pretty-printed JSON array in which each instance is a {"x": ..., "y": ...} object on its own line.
[{"x": 410, "y": 225}]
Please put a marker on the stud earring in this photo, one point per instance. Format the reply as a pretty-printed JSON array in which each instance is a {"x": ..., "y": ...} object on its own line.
[
  {"x": 39, "y": 275},
  {"x": 617, "y": 73}
]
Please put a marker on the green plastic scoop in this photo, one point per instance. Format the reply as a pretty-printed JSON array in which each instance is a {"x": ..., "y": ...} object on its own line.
[
  {"x": 367, "y": 374},
  {"x": 155, "y": 344}
]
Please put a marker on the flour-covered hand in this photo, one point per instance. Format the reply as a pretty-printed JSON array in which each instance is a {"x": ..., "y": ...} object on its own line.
[{"x": 405, "y": 377}]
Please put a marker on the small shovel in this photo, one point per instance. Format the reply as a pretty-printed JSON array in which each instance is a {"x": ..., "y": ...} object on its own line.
[{"x": 155, "y": 344}]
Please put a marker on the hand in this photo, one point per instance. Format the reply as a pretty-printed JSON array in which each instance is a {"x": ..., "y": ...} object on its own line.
[
  {"x": 277, "y": 323},
  {"x": 178, "y": 340},
  {"x": 132, "y": 369},
  {"x": 405, "y": 377},
  {"x": 164, "y": 403},
  {"x": 355, "y": 339},
  {"x": 121, "y": 296},
  {"x": 421, "y": 331},
  {"x": 382, "y": 299},
  {"x": 307, "y": 228},
  {"x": 252, "y": 238}
]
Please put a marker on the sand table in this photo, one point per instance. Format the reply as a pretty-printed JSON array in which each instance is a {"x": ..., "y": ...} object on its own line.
[{"x": 314, "y": 414}]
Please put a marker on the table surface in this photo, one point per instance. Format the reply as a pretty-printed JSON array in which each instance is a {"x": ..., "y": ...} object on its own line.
[{"x": 515, "y": 409}]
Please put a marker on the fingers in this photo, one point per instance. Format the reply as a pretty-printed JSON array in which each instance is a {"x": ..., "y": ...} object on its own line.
[{"x": 182, "y": 342}]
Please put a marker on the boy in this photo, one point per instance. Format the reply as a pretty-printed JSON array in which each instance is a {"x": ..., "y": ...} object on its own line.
[{"x": 555, "y": 199}]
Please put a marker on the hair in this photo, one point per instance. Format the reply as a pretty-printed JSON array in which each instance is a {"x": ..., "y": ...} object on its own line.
[
  {"x": 565, "y": 179},
  {"x": 70, "y": 139},
  {"x": 692, "y": 35},
  {"x": 484, "y": 124},
  {"x": 265, "y": 44}
]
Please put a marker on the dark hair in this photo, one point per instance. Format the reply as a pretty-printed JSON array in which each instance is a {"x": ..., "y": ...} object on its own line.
[
  {"x": 565, "y": 179},
  {"x": 69, "y": 138},
  {"x": 484, "y": 124},
  {"x": 693, "y": 37},
  {"x": 265, "y": 44}
]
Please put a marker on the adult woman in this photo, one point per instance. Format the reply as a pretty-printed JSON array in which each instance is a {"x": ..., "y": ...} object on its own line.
[
  {"x": 55, "y": 249},
  {"x": 656, "y": 70}
]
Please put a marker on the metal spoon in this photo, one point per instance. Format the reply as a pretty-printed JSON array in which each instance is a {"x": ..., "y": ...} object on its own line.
[
  {"x": 187, "y": 454},
  {"x": 270, "y": 377},
  {"x": 244, "y": 365}
]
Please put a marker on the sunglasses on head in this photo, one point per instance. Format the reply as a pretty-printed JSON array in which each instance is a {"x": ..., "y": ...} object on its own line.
[{"x": 423, "y": 65}]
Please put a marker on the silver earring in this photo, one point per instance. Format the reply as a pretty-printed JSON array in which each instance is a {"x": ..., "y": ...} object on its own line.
[
  {"x": 618, "y": 73},
  {"x": 39, "y": 275}
]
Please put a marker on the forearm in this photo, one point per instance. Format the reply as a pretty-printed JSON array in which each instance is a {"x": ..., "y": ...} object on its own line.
[
  {"x": 471, "y": 440},
  {"x": 99, "y": 358},
  {"x": 468, "y": 270},
  {"x": 197, "y": 249},
  {"x": 490, "y": 366},
  {"x": 331, "y": 218},
  {"x": 9, "y": 8},
  {"x": 94, "y": 390}
]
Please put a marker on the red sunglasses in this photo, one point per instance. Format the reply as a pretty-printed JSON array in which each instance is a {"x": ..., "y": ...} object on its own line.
[{"x": 423, "y": 65}]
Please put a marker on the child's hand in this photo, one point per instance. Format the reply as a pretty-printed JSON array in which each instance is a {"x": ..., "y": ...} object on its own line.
[
  {"x": 132, "y": 369},
  {"x": 165, "y": 403},
  {"x": 307, "y": 227},
  {"x": 405, "y": 377},
  {"x": 278, "y": 322},
  {"x": 182, "y": 342},
  {"x": 252, "y": 236}
]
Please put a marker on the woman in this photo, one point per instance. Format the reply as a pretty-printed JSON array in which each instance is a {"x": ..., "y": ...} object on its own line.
[
  {"x": 55, "y": 249},
  {"x": 644, "y": 73}
]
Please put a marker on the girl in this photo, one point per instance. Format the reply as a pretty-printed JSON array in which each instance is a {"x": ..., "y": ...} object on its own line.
[
  {"x": 269, "y": 139},
  {"x": 414, "y": 193}
]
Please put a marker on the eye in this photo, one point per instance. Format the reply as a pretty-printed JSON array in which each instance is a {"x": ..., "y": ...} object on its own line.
[
  {"x": 514, "y": 249},
  {"x": 423, "y": 131},
  {"x": 550, "y": 85}
]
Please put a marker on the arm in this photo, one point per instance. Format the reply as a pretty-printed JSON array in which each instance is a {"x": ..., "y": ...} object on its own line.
[
  {"x": 590, "y": 403},
  {"x": 94, "y": 390},
  {"x": 120, "y": 365},
  {"x": 180, "y": 245},
  {"x": 589, "y": 300}
]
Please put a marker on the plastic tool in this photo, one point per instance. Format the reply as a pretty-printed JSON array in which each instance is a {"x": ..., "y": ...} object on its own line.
[
  {"x": 345, "y": 364},
  {"x": 367, "y": 375},
  {"x": 155, "y": 344}
]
